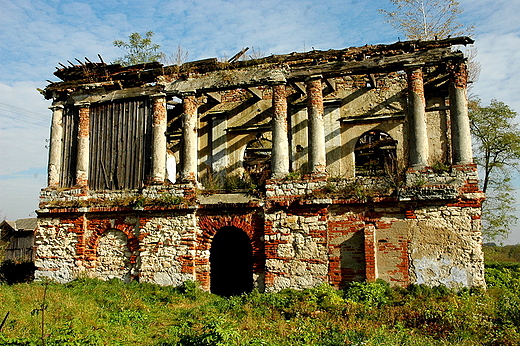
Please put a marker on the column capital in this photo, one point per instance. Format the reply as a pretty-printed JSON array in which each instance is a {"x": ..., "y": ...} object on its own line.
[
  {"x": 313, "y": 77},
  {"x": 277, "y": 82},
  {"x": 458, "y": 74},
  {"x": 56, "y": 106},
  {"x": 187, "y": 93},
  {"x": 158, "y": 95},
  {"x": 82, "y": 104}
]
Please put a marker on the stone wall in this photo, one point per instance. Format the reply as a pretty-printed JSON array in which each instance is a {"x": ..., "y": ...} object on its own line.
[
  {"x": 299, "y": 238},
  {"x": 296, "y": 248}
]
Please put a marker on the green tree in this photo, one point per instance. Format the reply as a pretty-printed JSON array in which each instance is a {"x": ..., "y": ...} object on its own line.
[
  {"x": 497, "y": 152},
  {"x": 426, "y": 19},
  {"x": 139, "y": 49}
]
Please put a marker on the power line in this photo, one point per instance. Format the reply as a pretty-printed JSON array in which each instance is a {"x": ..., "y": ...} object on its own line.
[
  {"x": 22, "y": 115},
  {"x": 20, "y": 109},
  {"x": 23, "y": 120}
]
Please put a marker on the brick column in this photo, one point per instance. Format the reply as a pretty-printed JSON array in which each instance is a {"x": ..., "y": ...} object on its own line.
[
  {"x": 418, "y": 129},
  {"x": 83, "y": 154},
  {"x": 280, "y": 151},
  {"x": 159, "y": 124},
  {"x": 460, "y": 129},
  {"x": 56, "y": 147},
  {"x": 315, "y": 127},
  {"x": 370, "y": 253},
  {"x": 189, "y": 138}
]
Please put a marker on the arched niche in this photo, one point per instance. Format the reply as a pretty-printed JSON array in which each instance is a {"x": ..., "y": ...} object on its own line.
[{"x": 113, "y": 256}]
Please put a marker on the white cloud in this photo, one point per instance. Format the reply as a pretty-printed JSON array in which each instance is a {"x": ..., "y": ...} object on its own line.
[{"x": 35, "y": 35}]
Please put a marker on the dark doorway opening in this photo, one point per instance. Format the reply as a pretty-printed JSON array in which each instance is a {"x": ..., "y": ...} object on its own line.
[{"x": 231, "y": 258}]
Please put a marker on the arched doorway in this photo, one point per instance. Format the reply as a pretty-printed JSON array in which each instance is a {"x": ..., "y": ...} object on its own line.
[{"x": 231, "y": 258}]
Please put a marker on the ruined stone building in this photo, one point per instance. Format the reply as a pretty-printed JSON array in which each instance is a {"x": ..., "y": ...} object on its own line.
[{"x": 280, "y": 172}]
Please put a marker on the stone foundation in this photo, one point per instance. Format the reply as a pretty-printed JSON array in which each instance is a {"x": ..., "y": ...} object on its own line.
[{"x": 302, "y": 234}]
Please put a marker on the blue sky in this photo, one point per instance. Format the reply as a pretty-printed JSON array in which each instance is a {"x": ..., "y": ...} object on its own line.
[{"x": 36, "y": 35}]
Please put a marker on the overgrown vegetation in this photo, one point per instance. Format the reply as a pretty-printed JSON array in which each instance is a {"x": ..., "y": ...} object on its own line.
[
  {"x": 164, "y": 199},
  {"x": 93, "y": 312},
  {"x": 139, "y": 49},
  {"x": 229, "y": 183}
]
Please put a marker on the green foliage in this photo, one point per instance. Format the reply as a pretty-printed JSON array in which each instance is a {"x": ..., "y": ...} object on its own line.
[
  {"x": 229, "y": 183},
  {"x": 369, "y": 293},
  {"x": 168, "y": 200},
  {"x": 239, "y": 182},
  {"x": 139, "y": 49},
  {"x": 426, "y": 19},
  {"x": 440, "y": 167},
  {"x": 497, "y": 152},
  {"x": 507, "y": 253},
  {"x": 296, "y": 175}
]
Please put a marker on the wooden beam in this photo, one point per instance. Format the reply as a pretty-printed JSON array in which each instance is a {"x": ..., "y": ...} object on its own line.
[
  {"x": 215, "y": 96},
  {"x": 257, "y": 93},
  {"x": 300, "y": 87},
  {"x": 373, "y": 81},
  {"x": 248, "y": 129},
  {"x": 331, "y": 83}
]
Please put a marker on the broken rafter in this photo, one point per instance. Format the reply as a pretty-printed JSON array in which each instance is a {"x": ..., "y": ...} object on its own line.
[{"x": 238, "y": 55}]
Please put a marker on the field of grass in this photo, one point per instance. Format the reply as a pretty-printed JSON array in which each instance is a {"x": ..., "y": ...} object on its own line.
[{"x": 93, "y": 312}]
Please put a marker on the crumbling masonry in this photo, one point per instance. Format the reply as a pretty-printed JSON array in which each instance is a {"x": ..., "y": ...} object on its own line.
[{"x": 281, "y": 172}]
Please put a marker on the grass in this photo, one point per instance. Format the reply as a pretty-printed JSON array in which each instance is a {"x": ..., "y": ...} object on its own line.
[{"x": 93, "y": 312}]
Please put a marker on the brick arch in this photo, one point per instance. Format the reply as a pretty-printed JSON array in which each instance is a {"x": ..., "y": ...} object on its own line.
[
  {"x": 92, "y": 243},
  {"x": 250, "y": 223}
]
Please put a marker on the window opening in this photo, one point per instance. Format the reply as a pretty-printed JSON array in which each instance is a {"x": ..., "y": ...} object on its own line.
[
  {"x": 375, "y": 154},
  {"x": 257, "y": 158}
]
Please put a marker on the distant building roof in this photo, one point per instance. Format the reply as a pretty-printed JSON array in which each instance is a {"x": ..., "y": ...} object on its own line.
[{"x": 28, "y": 224}]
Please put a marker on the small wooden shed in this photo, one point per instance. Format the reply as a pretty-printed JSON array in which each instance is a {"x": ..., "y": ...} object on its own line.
[{"x": 17, "y": 239}]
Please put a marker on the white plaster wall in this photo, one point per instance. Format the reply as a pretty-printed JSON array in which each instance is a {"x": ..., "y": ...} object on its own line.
[{"x": 445, "y": 247}]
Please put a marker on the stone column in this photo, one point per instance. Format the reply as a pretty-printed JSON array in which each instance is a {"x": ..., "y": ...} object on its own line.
[
  {"x": 315, "y": 128},
  {"x": 56, "y": 147},
  {"x": 159, "y": 123},
  {"x": 189, "y": 138},
  {"x": 418, "y": 128},
  {"x": 460, "y": 129},
  {"x": 83, "y": 154},
  {"x": 280, "y": 151}
]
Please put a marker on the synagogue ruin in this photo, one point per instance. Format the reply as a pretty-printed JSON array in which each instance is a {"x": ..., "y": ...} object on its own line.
[{"x": 281, "y": 172}]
